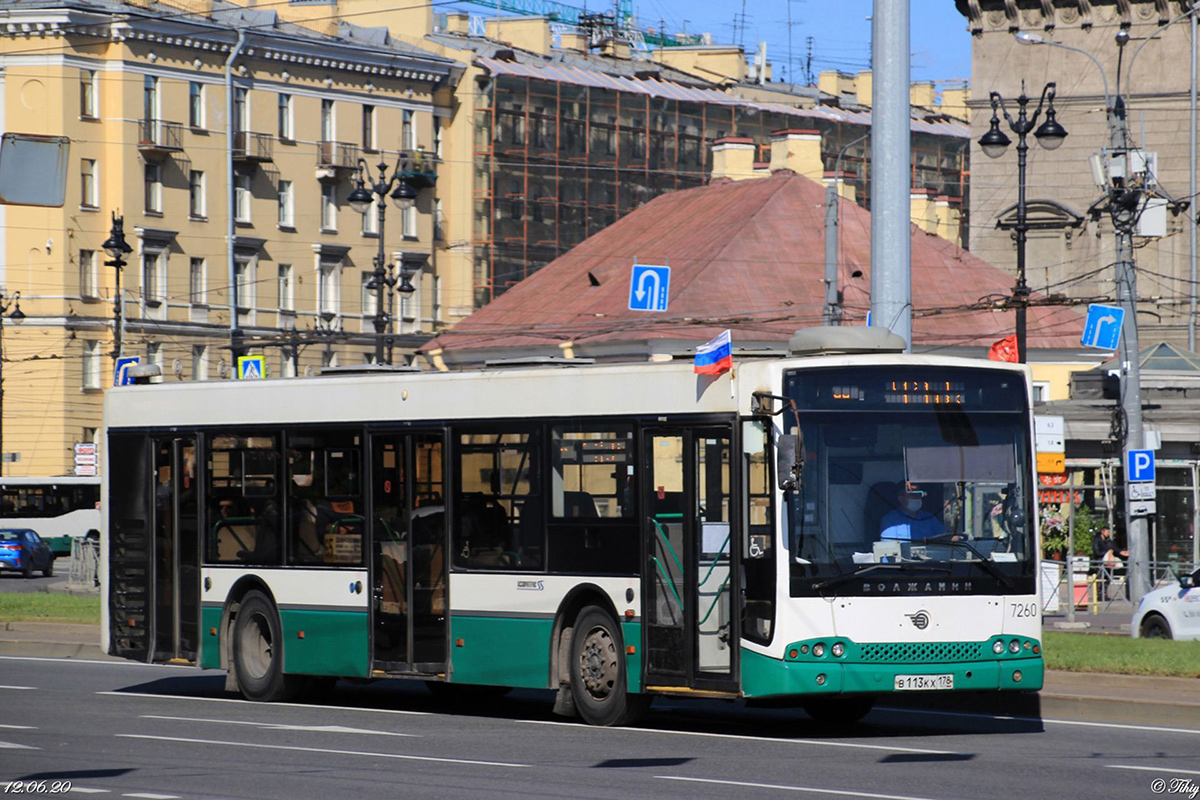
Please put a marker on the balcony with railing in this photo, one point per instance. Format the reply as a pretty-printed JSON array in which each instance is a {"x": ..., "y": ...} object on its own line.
[
  {"x": 158, "y": 137},
  {"x": 252, "y": 148},
  {"x": 337, "y": 155},
  {"x": 419, "y": 168}
]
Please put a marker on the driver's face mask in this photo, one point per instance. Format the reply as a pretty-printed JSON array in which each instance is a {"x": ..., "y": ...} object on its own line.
[{"x": 913, "y": 504}]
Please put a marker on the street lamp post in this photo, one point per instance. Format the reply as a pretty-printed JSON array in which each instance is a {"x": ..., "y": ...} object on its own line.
[
  {"x": 405, "y": 197},
  {"x": 17, "y": 316},
  {"x": 1050, "y": 135},
  {"x": 117, "y": 248}
]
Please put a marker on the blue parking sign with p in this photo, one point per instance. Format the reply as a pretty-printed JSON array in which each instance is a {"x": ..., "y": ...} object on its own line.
[{"x": 1139, "y": 465}]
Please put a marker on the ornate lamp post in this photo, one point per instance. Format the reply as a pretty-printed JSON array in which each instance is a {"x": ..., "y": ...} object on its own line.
[
  {"x": 405, "y": 197},
  {"x": 17, "y": 317},
  {"x": 1050, "y": 135},
  {"x": 117, "y": 248}
]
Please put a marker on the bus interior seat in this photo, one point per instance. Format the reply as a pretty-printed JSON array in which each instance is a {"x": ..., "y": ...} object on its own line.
[{"x": 579, "y": 505}]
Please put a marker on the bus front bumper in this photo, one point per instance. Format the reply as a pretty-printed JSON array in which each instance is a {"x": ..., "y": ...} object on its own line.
[{"x": 763, "y": 676}]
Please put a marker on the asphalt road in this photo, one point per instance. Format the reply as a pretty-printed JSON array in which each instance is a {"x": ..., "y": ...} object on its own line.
[
  {"x": 119, "y": 729},
  {"x": 16, "y": 582}
]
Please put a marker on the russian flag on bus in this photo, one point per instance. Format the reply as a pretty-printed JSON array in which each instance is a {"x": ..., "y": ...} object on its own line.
[{"x": 716, "y": 356}]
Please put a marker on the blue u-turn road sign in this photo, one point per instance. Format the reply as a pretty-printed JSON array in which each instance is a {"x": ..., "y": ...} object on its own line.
[
  {"x": 1103, "y": 327},
  {"x": 1140, "y": 465},
  {"x": 649, "y": 288}
]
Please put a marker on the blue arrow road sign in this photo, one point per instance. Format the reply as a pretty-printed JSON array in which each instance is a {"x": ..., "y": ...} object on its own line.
[
  {"x": 649, "y": 287},
  {"x": 1140, "y": 465},
  {"x": 1103, "y": 327},
  {"x": 121, "y": 376}
]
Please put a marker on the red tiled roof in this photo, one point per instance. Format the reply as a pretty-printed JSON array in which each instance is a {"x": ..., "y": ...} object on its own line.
[{"x": 749, "y": 256}]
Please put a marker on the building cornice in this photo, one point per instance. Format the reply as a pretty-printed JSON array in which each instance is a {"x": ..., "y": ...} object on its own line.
[
  {"x": 1011, "y": 16},
  {"x": 328, "y": 53}
]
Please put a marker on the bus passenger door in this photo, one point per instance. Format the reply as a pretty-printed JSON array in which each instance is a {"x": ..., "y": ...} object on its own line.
[
  {"x": 409, "y": 565},
  {"x": 690, "y": 625},
  {"x": 175, "y": 566}
]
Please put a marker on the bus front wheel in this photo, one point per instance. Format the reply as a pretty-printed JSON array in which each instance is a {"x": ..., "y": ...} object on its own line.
[
  {"x": 258, "y": 652},
  {"x": 598, "y": 674}
]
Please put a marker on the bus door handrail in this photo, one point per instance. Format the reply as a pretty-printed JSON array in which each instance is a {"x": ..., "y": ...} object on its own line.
[
  {"x": 720, "y": 592},
  {"x": 670, "y": 584},
  {"x": 662, "y": 535},
  {"x": 716, "y": 558}
]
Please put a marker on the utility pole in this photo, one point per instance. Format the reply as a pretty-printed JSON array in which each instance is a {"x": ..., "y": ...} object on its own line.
[
  {"x": 891, "y": 124},
  {"x": 833, "y": 307}
]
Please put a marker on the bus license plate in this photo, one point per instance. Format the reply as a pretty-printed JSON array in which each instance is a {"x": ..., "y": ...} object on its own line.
[{"x": 916, "y": 683}]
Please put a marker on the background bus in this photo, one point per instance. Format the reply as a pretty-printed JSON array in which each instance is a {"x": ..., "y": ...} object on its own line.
[
  {"x": 59, "y": 508},
  {"x": 610, "y": 532}
]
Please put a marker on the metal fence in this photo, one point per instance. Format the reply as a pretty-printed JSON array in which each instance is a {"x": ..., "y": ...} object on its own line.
[
  {"x": 85, "y": 562},
  {"x": 1096, "y": 586}
]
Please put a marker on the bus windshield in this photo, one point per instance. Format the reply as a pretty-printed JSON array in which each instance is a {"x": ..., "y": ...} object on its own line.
[{"x": 910, "y": 480}]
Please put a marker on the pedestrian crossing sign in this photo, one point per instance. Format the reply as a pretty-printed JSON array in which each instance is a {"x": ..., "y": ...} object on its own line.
[{"x": 250, "y": 368}]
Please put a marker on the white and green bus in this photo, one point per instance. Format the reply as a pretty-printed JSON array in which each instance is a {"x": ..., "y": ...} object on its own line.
[
  {"x": 59, "y": 508},
  {"x": 612, "y": 532}
]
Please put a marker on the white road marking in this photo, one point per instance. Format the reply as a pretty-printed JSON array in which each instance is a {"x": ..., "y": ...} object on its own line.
[
  {"x": 736, "y": 738},
  {"x": 85, "y": 790},
  {"x": 1082, "y": 723},
  {"x": 109, "y": 662},
  {"x": 321, "y": 750},
  {"x": 1154, "y": 769},
  {"x": 25, "y": 688},
  {"x": 19, "y": 727},
  {"x": 13, "y": 746},
  {"x": 272, "y": 705},
  {"x": 149, "y": 796},
  {"x": 785, "y": 788},
  {"x": 282, "y": 727}
]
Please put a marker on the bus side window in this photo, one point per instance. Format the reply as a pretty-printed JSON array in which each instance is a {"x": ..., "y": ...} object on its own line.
[
  {"x": 243, "y": 500},
  {"x": 498, "y": 502},
  {"x": 758, "y": 546}
]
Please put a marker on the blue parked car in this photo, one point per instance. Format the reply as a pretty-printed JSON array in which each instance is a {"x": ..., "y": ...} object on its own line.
[{"x": 22, "y": 549}]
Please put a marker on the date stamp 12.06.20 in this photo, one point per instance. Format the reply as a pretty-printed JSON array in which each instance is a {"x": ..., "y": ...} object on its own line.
[{"x": 37, "y": 787}]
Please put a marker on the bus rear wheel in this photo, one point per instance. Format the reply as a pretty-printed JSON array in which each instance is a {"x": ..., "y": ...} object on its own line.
[
  {"x": 598, "y": 674},
  {"x": 258, "y": 652},
  {"x": 839, "y": 710}
]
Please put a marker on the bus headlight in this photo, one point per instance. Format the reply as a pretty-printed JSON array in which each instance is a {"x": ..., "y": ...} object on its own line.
[
  {"x": 818, "y": 649},
  {"x": 1014, "y": 647},
  {"x": 998, "y": 647},
  {"x": 838, "y": 649}
]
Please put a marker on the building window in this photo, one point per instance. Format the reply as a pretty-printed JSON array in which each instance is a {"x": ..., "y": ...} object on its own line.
[
  {"x": 287, "y": 290},
  {"x": 287, "y": 210},
  {"x": 153, "y": 195},
  {"x": 88, "y": 94},
  {"x": 409, "y": 216},
  {"x": 368, "y": 127},
  {"x": 241, "y": 110},
  {"x": 88, "y": 191},
  {"x": 154, "y": 289},
  {"x": 408, "y": 132},
  {"x": 198, "y": 282},
  {"x": 329, "y": 207},
  {"x": 285, "y": 117},
  {"x": 196, "y": 104},
  {"x": 437, "y": 137},
  {"x": 241, "y": 184},
  {"x": 196, "y": 204},
  {"x": 439, "y": 232},
  {"x": 329, "y": 288},
  {"x": 91, "y": 365},
  {"x": 328, "y": 128},
  {"x": 89, "y": 279},
  {"x": 243, "y": 274},
  {"x": 370, "y": 226},
  {"x": 150, "y": 98},
  {"x": 1041, "y": 391},
  {"x": 199, "y": 363},
  {"x": 370, "y": 298}
]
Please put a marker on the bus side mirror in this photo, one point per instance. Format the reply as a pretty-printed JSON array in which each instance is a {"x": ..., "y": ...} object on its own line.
[{"x": 789, "y": 461}]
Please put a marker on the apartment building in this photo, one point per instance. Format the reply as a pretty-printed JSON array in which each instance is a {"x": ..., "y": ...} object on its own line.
[{"x": 163, "y": 102}]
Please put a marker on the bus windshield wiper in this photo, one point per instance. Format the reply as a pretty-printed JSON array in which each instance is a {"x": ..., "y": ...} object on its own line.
[
  {"x": 838, "y": 580},
  {"x": 983, "y": 561}
]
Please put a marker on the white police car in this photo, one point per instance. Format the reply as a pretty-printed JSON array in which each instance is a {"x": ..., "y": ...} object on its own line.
[{"x": 1172, "y": 612}]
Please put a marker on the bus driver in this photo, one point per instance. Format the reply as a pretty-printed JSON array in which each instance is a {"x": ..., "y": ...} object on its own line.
[{"x": 908, "y": 522}]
